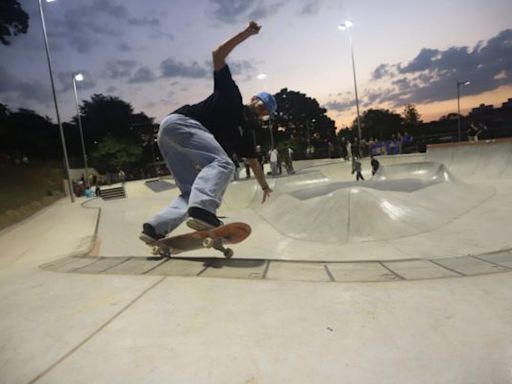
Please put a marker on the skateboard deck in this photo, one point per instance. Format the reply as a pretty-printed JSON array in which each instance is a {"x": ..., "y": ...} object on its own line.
[{"x": 216, "y": 238}]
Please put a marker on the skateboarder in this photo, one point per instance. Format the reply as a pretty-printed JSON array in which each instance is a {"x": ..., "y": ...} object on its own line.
[{"x": 195, "y": 141}]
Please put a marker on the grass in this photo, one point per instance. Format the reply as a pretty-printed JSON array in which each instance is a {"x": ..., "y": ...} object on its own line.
[{"x": 25, "y": 189}]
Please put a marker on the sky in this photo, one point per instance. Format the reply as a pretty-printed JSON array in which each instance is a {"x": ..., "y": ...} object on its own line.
[{"x": 156, "y": 54}]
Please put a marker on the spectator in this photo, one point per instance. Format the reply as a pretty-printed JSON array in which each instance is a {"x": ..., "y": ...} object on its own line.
[
  {"x": 375, "y": 165},
  {"x": 122, "y": 176},
  {"x": 399, "y": 140},
  {"x": 357, "y": 168},
  {"x": 247, "y": 168},
  {"x": 236, "y": 162},
  {"x": 273, "y": 161},
  {"x": 344, "y": 151},
  {"x": 473, "y": 131},
  {"x": 355, "y": 148},
  {"x": 330, "y": 150},
  {"x": 89, "y": 193}
]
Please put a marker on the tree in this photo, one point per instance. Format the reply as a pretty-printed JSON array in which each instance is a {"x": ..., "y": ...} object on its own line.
[
  {"x": 107, "y": 115},
  {"x": 379, "y": 123},
  {"x": 112, "y": 154},
  {"x": 25, "y": 132},
  {"x": 107, "y": 120},
  {"x": 411, "y": 116},
  {"x": 13, "y": 20},
  {"x": 301, "y": 122}
]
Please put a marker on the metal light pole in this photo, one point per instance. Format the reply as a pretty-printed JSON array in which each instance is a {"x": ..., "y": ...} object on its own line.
[
  {"x": 459, "y": 83},
  {"x": 62, "y": 138},
  {"x": 80, "y": 77},
  {"x": 345, "y": 27}
]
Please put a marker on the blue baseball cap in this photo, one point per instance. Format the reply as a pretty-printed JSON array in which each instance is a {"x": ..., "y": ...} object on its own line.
[{"x": 269, "y": 101}]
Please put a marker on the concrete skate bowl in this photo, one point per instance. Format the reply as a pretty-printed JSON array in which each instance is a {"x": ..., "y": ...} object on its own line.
[
  {"x": 480, "y": 161},
  {"x": 399, "y": 201},
  {"x": 415, "y": 219}
]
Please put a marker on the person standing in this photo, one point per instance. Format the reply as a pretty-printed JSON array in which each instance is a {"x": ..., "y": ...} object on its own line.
[
  {"x": 195, "y": 141},
  {"x": 357, "y": 168},
  {"x": 273, "y": 161},
  {"x": 375, "y": 165},
  {"x": 236, "y": 162}
]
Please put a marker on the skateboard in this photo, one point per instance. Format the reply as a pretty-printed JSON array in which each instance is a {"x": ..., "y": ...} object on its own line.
[{"x": 215, "y": 238}]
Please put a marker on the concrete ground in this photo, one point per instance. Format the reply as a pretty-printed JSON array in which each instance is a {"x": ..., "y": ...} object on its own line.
[{"x": 404, "y": 278}]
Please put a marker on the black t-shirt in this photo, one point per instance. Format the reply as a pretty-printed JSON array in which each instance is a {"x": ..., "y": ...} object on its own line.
[{"x": 225, "y": 116}]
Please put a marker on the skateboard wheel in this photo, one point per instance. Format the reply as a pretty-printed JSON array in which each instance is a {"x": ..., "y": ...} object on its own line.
[
  {"x": 228, "y": 253},
  {"x": 156, "y": 250},
  {"x": 207, "y": 242}
]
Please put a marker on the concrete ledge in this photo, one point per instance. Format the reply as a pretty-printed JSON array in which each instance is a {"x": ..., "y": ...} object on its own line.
[{"x": 263, "y": 269}]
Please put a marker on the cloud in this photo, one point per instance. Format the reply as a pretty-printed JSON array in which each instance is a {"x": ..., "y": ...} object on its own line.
[
  {"x": 144, "y": 21},
  {"x": 339, "y": 106},
  {"x": 117, "y": 69},
  {"x": 85, "y": 25},
  {"x": 383, "y": 70},
  {"x": 229, "y": 11},
  {"x": 243, "y": 67},
  {"x": 112, "y": 90},
  {"x": 23, "y": 89},
  {"x": 142, "y": 75},
  {"x": 153, "y": 23},
  {"x": 310, "y": 8},
  {"x": 124, "y": 47},
  {"x": 171, "y": 68},
  {"x": 433, "y": 74}
]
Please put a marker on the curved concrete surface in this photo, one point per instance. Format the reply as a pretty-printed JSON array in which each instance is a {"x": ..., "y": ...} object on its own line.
[{"x": 423, "y": 206}]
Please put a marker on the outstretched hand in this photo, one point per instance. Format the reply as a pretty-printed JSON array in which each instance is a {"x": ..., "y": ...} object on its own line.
[
  {"x": 266, "y": 193},
  {"x": 253, "y": 28}
]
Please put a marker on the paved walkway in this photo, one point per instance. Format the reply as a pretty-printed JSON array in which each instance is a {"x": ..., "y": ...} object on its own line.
[{"x": 82, "y": 311}]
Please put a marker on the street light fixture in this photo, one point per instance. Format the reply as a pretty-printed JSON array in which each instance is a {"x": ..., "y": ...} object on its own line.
[
  {"x": 459, "y": 83},
  {"x": 62, "y": 138},
  {"x": 80, "y": 77},
  {"x": 346, "y": 27}
]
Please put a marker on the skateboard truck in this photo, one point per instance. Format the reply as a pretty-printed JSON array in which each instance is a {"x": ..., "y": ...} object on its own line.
[{"x": 218, "y": 244}]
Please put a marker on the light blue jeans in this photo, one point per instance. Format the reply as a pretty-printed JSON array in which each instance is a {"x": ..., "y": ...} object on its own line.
[{"x": 201, "y": 168}]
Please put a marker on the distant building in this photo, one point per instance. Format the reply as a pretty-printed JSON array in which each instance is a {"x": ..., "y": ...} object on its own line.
[
  {"x": 507, "y": 104},
  {"x": 482, "y": 110}
]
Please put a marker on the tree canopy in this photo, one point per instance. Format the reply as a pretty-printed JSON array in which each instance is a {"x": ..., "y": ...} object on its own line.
[
  {"x": 300, "y": 122},
  {"x": 115, "y": 136},
  {"x": 13, "y": 20},
  {"x": 379, "y": 123}
]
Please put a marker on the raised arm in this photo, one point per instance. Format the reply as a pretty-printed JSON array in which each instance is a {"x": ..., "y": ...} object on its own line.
[{"x": 222, "y": 51}]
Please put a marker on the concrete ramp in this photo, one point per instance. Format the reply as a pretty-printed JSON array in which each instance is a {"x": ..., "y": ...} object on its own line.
[
  {"x": 485, "y": 160},
  {"x": 402, "y": 200},
  {"x": 453, "y": 201}
]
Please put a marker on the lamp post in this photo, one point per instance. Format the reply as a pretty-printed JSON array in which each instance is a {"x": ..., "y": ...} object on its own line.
[
  {"x": 459, "y": 83},
  {"x": 345, "y": 27},
  {"x": 79, "y": 77},
  {"x": 62, "y": 138}
]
